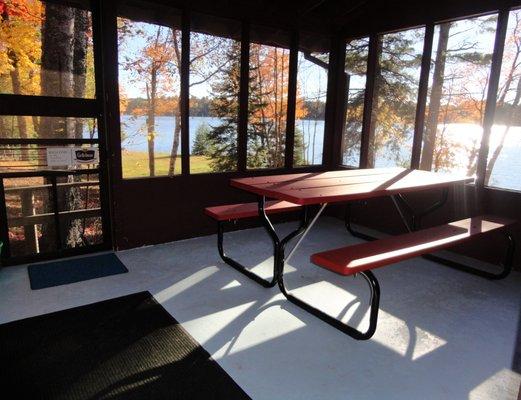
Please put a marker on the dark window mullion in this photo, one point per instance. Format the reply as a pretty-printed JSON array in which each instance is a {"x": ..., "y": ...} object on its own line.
[
  {"x": 242, "y": 131},
  {"x": 337, "y": 97},
  {"x": 291, "y": 106},
  {"x": 4, "y": 227},
  {"x": 48, "y": 106},
  {"x": 48, "y": 141},
  {"x": 185, "y": 93},
  {"x": 372, "y": 61},
  {"x": 104, "y": 176}
]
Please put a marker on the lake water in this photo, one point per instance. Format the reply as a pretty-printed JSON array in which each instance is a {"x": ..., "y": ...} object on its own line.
[
  {"x": 136, "y": 139},
  {"x": 506, "y": 174},
  {"x": 507, "y": 170}
]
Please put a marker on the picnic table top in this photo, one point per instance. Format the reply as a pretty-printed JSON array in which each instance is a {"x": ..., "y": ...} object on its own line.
[{"x": 345, "y": 185}]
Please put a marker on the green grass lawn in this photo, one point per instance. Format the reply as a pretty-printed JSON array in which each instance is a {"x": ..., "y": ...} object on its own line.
[{"x": 135, "y": 164}]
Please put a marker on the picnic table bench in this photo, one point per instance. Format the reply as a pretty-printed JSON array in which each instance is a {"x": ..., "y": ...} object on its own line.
[{"x": 294, "y": 191}]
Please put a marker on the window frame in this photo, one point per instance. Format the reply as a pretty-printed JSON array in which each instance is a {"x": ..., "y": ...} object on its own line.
[
  {"x": 242, "y": 128},
  {"x": 73, "y": 107},
  {"x": 490, "y": 102}
]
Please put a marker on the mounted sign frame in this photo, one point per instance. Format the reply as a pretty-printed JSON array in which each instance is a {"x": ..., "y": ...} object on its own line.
[{"x": 71, "y": 156}]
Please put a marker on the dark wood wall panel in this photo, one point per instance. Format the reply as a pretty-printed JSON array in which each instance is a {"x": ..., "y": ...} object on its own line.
[{"x": 159, "y": 210}]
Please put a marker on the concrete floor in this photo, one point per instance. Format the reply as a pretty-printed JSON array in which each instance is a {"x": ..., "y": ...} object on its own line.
[{"x": 442, "y": 334}]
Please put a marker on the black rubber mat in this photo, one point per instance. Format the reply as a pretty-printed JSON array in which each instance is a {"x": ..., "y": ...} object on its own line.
[
  {"x": 124, "y": 348},
  {"x": 62, "y": 272}
]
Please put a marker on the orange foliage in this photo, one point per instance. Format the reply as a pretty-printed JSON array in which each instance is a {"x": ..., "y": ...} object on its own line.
[
  {"x": 20, "y": 22},
  {"x": 26, "y": 10},
  {"x": 464, "y": 111},
  {"x": 271, "y": 76}
]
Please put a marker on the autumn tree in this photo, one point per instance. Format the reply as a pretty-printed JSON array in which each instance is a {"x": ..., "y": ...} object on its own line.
[
  {"x": 152, "y": 67},
  {"x": 20, "y": 22},
  {"x": 461, "y": 68},
  {"x": 267, "y": 105},
  {"x": 355, "y": 69},
  {"x": 158, "y": 63},
  {"x": 19, "y": 59},
  {"x": 312, "y": 72},
  {"x": 215, "y": 63},
  {"x": 65, "y": 40},
  {"x": 509, "y": 93},
  {"x": 429, "y": 136}
]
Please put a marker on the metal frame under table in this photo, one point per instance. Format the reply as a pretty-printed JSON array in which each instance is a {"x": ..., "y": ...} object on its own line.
[{"x": 323, "y": 188}]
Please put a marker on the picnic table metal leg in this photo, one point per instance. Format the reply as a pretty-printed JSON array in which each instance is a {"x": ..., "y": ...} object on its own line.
[
  {"x": 235, "y": 264},
  {"x": 241, "y": 268},
  {"x": 406, "y": 210},
  {"x": 280, "y": 262},
  {"x": 506, "y": 264},
  {"x": 374, "y": 288}
]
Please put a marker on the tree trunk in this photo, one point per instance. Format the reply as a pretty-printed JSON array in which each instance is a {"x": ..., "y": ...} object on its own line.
[
  {"x": 437, "y": 156},
  {"x": 79, "y": 65},
  {"x": 26, "y": 196},
  {"x": 151, "y": 121},
  {"x": 177, "y": 114},
  {"x": 431, "y": 128},
  {"x": 74, "y": 200},
  {"x": 17, "y": 89},
  {"x": 371, "y": 151},
  {"x": 264, "y": 130},
  {"x": 56, "y": 80},
  {"x": 499, "y": 148},
  {"x": 57, "y": 62},
  {"x": 175, "y": 143}
]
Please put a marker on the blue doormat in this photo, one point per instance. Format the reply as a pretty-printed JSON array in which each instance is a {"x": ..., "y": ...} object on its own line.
[{"x": 75, "y": 270}]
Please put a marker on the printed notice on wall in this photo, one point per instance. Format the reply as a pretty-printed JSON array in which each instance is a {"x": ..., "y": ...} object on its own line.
[
  {"x": 71, "y": 156},
  {"x": 59, "y": 156}
]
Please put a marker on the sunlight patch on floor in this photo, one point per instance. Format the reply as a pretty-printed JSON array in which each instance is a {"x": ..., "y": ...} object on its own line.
[
  {"x": 233, "y": 284},
  {"x": 259, "y": 331},
  {"x": 411, "y": 342},
  {"x": 210, "y": 325},
  {"x": 185, "y": 284},
  {"x": 505, "y": 381},
  {"x": 334, "y": 300}
]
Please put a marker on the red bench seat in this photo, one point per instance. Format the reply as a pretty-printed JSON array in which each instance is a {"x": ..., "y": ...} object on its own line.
[
  {"x": 366, "y": 256},
  {"x": 248, "y": 210}
]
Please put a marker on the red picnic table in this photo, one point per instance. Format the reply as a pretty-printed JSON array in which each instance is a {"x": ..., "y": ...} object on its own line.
[
  {"x": 347, "y": 185},
  {"x": 303, "y": 190}
]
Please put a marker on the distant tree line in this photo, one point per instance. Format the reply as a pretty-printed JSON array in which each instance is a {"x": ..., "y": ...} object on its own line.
[{"x": 205, "y": 107}]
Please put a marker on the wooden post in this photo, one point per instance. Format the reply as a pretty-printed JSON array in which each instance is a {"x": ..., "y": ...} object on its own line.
[
  {"x": 242, "y": 139},
  {"x": 185, "y": 93},
  {"x": 291, "y": 106},
  {"x": 372, "y": 61}
]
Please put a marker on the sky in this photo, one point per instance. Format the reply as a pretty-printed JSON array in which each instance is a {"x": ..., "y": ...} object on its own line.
[{"x": 312, "y": 79}]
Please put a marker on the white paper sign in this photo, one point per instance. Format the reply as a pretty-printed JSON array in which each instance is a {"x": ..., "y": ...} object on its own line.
[
  {"x": 70, "y": 156},
  {"x": 59, "y": 156}
]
